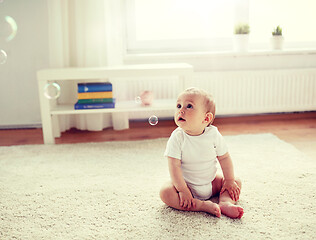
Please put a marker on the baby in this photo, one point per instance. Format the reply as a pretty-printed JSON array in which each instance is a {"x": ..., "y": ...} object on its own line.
[{"x": 193, "y": 150}]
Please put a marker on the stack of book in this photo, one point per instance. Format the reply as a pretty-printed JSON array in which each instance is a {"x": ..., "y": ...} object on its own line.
[{"x": 95, "y": 96}]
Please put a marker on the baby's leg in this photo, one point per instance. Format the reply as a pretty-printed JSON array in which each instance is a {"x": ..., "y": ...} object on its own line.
[
  {"x": 170, "y": 196},
  {"x": 227, "y": 204}
]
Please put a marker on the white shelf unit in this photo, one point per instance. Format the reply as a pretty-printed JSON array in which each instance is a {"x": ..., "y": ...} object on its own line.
[{"x": 49, "y": 111}]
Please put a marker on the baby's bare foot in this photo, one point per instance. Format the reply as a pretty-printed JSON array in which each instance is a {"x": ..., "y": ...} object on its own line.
[
  {"x": 231, "y": 210},
  {"x": 212, "y": 208}
]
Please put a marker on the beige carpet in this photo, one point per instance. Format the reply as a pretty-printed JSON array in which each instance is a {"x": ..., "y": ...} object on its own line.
[{"x": 110, "y": 191}]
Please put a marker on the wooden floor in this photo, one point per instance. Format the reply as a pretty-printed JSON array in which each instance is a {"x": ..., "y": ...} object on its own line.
[{"x": 299, "y": 129}]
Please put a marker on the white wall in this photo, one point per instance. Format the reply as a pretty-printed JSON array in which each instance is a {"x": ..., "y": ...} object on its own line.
[{"x": 27, "y": 52}]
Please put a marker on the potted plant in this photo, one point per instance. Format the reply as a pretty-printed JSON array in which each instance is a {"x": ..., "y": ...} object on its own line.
[
  {"x": 241, "y": 37},
  {"x": 277, "y": 39}
]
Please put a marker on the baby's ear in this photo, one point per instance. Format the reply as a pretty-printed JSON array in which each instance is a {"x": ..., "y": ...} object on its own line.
[{"x": 208, "y": 117}]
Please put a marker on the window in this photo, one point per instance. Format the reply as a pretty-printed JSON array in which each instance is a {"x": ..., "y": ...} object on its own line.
[
  {"x": 296, "y": 18},
  {"x": 179, "y": 25},
  {"x": 207, "y": 25}
]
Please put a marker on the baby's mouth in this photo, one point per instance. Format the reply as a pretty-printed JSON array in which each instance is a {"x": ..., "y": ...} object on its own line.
[{"x": 181, "y": 119}]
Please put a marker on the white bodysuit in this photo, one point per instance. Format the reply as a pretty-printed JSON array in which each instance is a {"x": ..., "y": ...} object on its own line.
[{"x": 198, "y": 155}]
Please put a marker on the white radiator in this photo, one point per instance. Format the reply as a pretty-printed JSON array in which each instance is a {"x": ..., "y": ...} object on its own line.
[
  {"x": 264, "y": 91},
  {"x": 237, "y": 92}
]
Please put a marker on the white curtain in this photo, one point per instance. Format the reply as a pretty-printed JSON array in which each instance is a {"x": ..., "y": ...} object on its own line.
[{"x": 80, "y": 36}]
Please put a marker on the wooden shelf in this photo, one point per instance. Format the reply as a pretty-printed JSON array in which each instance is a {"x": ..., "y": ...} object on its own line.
[{"x": 50, "y": 124}]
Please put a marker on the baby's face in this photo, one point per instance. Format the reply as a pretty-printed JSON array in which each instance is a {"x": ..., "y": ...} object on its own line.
[{"x": 190, "y": 114}]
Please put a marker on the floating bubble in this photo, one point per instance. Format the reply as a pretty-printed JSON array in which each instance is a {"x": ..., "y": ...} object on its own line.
[
  {"x": 3, "y": 56},
  {"x": 52, "y": 91},
  {"x": 138, "y": 100},
  {"x": 153, "y": 120},
  {"x": 8, "y": 28}
]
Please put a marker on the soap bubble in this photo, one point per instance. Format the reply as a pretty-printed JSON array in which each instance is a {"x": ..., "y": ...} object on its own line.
[
  {"x": 153, "y": 120},
  {"x": 3, "y": 56},
  {"x": 8, "y": 28},
  {"x": 52, "y": 90},
  {"x": 138, "y": 100}
]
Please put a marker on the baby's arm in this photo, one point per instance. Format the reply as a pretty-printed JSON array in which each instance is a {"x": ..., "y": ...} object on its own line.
[
  {"x": 229, "y": 178},
  {"x": 186, "y": 199}
]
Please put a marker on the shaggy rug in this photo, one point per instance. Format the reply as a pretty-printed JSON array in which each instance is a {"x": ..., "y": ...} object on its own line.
[{"x": 110, "y": 190}]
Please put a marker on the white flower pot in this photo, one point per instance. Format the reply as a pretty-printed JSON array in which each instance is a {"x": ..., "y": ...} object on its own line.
[
  {"x": 277, "y": 42},
  {"x": 241, "y": 42}
]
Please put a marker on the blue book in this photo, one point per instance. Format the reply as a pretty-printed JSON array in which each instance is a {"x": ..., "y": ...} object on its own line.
[
  {"x": 94, "y": 87},
  {"x": 94, "y": 105}
]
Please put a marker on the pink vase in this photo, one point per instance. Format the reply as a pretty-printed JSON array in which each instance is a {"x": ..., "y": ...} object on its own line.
[{"x": 147, "y": 98}]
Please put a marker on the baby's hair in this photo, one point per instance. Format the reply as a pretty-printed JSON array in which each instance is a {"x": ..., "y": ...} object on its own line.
[{"x": 209, "y": 101}]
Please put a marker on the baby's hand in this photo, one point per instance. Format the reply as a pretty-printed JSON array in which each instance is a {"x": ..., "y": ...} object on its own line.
[
  {"x": 186, "y": 199},
  {"x": 232, "y": 188}
]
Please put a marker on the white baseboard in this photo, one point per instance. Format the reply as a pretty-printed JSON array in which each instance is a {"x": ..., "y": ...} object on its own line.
[{"x": 21, "y": 126}]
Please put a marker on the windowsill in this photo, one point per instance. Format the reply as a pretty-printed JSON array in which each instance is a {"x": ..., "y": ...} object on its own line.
[
  {"x": 229, "y": 60},
  {"x": 206, "y": 54}
]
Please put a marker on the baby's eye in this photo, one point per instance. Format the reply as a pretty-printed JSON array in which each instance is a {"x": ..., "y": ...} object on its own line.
[
  {"x": 178, "y": 105},
  {"x": 189, "y": 106}
]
